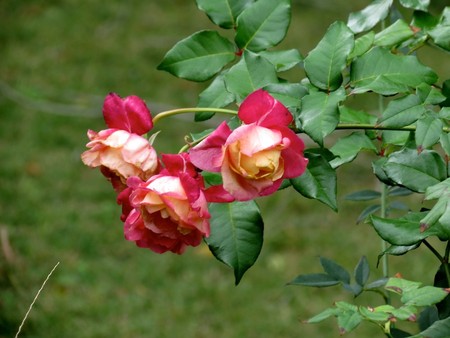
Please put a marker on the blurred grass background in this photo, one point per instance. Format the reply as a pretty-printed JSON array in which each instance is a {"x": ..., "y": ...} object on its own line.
[{"x": 58, "y": 59}]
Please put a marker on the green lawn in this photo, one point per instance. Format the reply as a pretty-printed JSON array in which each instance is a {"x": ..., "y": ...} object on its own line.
[{"x": 58, "y": 61}]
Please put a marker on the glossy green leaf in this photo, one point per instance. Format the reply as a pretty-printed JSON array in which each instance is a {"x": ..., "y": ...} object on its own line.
[
  {"x": 415, "y": 171},
  {"x": 424, "y": 20},
  {"x": 421, "y": 5},
  {"x": 362, "y": 45},
  {"x": 385, "y": 73},
  {"x": 429, "y": 94},
  {"x": 284, "y": 59},
  {"x": 289, "y": 94},
  {"x": 406, "y": 231},
  {"x": 362, "y": 271},
  {"x": 444, "y": 140},
  {"x": 318, "y": 280},
  {"x": 428, "y": 132},
  {"x": 363, "y": 195},
  {"x": 400, "y": 285},
  {"x": 368, "y": 17},
  {"x": 199, "y": 56},
  {"x": 249, "y": 74},
  {"x": 402, "y": 112},
  {"x": 398, "y": 250},
  {"x": 396, "y": 33},
  {"x": 223, "y": 12},
  {"x": 263, "y": 24},
  {"x": 325, "y": 63},
  {"x": 440, "y": 212},
  {"x": 347, "y": 148},
  {"x": 335, "y": 270},
  {"x": 439, "y": 329},
  {"x": 216, "y": 95},
  {"x": 318, "y": 181},
  {"x": 236, "y": 235},
  {"x": 349, "y": 115},
  {"x": 441, "y": 36},
  {"x": 320, "y": 115}
]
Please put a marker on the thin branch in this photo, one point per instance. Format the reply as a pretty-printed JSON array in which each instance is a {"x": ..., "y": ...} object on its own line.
[{"x": 34, "y": 300}]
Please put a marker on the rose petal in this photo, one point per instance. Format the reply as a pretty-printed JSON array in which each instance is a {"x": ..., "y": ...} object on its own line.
[
  {"x": 261, "y": 108},
  {"x": 130, "y": 114},
  {"x": 208, "y": 154}
]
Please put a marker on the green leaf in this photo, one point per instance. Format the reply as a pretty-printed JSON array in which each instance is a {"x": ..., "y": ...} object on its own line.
[
  {"x": 362, "y": 271},
  {"x": 385, "y": 73},
  {"x": 402, "y": 112},
  {"x": 441, "y": 36},
  {"x": 289, "y": 94},
  {"x": 424, "y": 296},
  {"x": 429, "y": 94},
  {"x": 362, "y": 45},
  {"x": 323, "y": 315},
  {"x": 325, "y": 63},
  {"x": 223, "y": 12},
  {"x": 348, "y": 320},
  {"x": 335, "y": 270},
  {"x": 236, "y": 235},
  {"x": 373, "y": 315},
  {"x": 407, "y": 312},
  {"x": 349, "y": 115},
  {"x": 320, "y": 115},
  {"x": 283, "y": 60},
  {"x": 347, "y": 148},
  {"x": 428, "y": 132},
  {"x": 318, "y": 181},
  {"x": 445, "y": 142},
  {"x": 421, "y": 5},
  {"x": 363, "y": 195},
  {"x": 368, "y": 17},
  {"x": 439, "y": 329},
  {"x": 249, "y": 74},
  {"x": 199, "y": 56},
  {"x": 263, "y": 25},
  {"x": 406, "y": 231},
  {"x": 424, "y": 20},
  {"x": 398, "y": 250},
  {"x": 318, "y": 280},
  {"x": 396, "y": 33},
  {"x": 400, "y": 285},
  {"x": 415, "y": 171},
  {"x": 371, "y": 209},
  {"x": 216, "y": 95}
]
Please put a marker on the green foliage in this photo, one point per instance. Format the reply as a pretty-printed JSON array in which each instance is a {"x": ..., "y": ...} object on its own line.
[
  {"x": 236, "y": 235},
  {"x": 198, "y": 57},
  {"x": 325, "y": 63}
]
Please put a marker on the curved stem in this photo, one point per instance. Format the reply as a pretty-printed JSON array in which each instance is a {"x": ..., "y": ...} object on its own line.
[
  {"x": 433, "y": 250},
  {"x": 168, "y": 113}
]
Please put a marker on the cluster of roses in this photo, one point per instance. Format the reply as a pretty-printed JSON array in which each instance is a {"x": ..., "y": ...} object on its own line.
[{"x": 165, "y": 200}]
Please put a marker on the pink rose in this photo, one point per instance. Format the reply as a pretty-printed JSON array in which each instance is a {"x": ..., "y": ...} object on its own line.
[
  {"x": 169, "y": 210},
  {"x": 130, "y": 114},
  {"x": 120, "y": 155},
  {"x": 121, "y": 151},
  {"x": 255, "y": 157}
]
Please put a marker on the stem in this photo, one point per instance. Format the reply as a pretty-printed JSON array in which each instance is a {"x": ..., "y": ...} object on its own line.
[
  {"x": 445, "y": 262},
  {"x": 168, "y": 113},
  {"x": 383, "y": 214},
  {"x": 433, "y": 250}
]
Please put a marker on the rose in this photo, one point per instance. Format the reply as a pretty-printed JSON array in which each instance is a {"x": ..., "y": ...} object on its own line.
[
  {"x": 121, "y": 151},
  {"x": 255, "y": 157},
  {"x": 169, "y": 210},
  {"x": 121, "y": 155}
]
